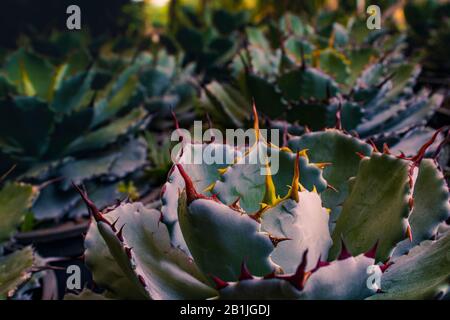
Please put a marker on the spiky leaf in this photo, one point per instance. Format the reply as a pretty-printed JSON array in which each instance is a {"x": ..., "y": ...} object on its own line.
[
  {"x": 423, "y": 273},
  {"x": 14, "y": 270},
  {"x": 214, "y": 234},
  {"x": 15, "y": 201},
  {"x": 376, "y": 208}
]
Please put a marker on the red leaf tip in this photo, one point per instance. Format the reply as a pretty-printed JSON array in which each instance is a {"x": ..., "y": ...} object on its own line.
[
  {"x": 220, "y": 284},
  {"x": 299, "y": 278},
  {"x": 344, "y": 251},
  {"x": 191, "y": 193},
  {"x": 245, "y": 273},
  {"x": 372, "y": 252},
  {"x": 92, "y": 208}
]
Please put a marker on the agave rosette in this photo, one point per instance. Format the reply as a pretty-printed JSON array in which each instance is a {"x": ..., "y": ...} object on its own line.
[
  {"x": 300, "y": 77},
  {"x": 225, "y": 232},
  {"x": 86, "y": 122}
]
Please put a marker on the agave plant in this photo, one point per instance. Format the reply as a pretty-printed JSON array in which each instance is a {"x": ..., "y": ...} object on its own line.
[
  {"x": 86, "y": 123},
  {"x": 209, "y": 38},
  {"x": 68, "y": 126},
  {"x": 297, "y": 73},
  {"x": 335, "y": 208},
  {"x": 429, "y": 25},
  {"x": 16, "y": 264}
]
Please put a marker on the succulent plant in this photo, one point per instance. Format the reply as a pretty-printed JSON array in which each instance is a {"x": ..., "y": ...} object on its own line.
[
  {"x": 86, "y": 122},
  {"x": 16, "y": 264},
  {"x": 209, "y": 38},
  {"x": 307, "y": 76},
  {"x": 335, "y": 208},
  {"x": 428, "y": 23},
  {"x": 68, "y": 127}
]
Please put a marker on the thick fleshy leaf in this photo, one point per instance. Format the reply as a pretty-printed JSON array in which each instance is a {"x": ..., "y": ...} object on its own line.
[
  {"x": 359, "y": 59},
  {"x": 106, "y": 271},
  {"x": 14, "y": 270},
  {"x": 335, "y": 64},
  {"x": 120, "y": 92},
  {"x": 108, "y": 134},
  {"x": 31, "y": 73},
  {"x": 114, "y": 164},
  {"x": 215, "y": 234},
  {"x": 339, "y": 150},
  {"x": 341, "y": 280},
  {"x": 52, "y": 203},
  {"x": 168, "y": 272},
  {"x": 417, "y": 113},
  {"x": 414, "y": 139},
  {"x": 72, "y": 93},
  {"x": 69, "y": 128},
  {"x": 422, "y": 274},
  {"x": 203, "y": 176},
  {"x": 161, "y": 271},
  {"x": 246, "y": 179},
  {"x": 103, "y": 194},
  {"x": 17, "y": 116},
  {"x": 298, "y": 47},
  {"x": 224, "y": 101},
  {"x": 15, "y": 201},
  {"x": 304, "y": 224},
  {"x": 401, "y": 116},
  {"x": 55, "y": 203},
  {"x": 266, "y": 96},
  {"x": 376, "y": 208},
  {"x": 403, "y": 76},
  {"x": 307, "y": 83},
  {"x": 431, "y": 205},
  {"x": 316, "y": 115},
  {"x": 155, "y": 82}
]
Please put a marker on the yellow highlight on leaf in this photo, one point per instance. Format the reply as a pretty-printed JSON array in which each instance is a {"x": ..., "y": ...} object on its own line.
[{"x": 28, "y": 87}]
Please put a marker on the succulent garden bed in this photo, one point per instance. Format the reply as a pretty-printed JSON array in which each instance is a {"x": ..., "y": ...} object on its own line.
[{"x": 112, "y": 154}]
